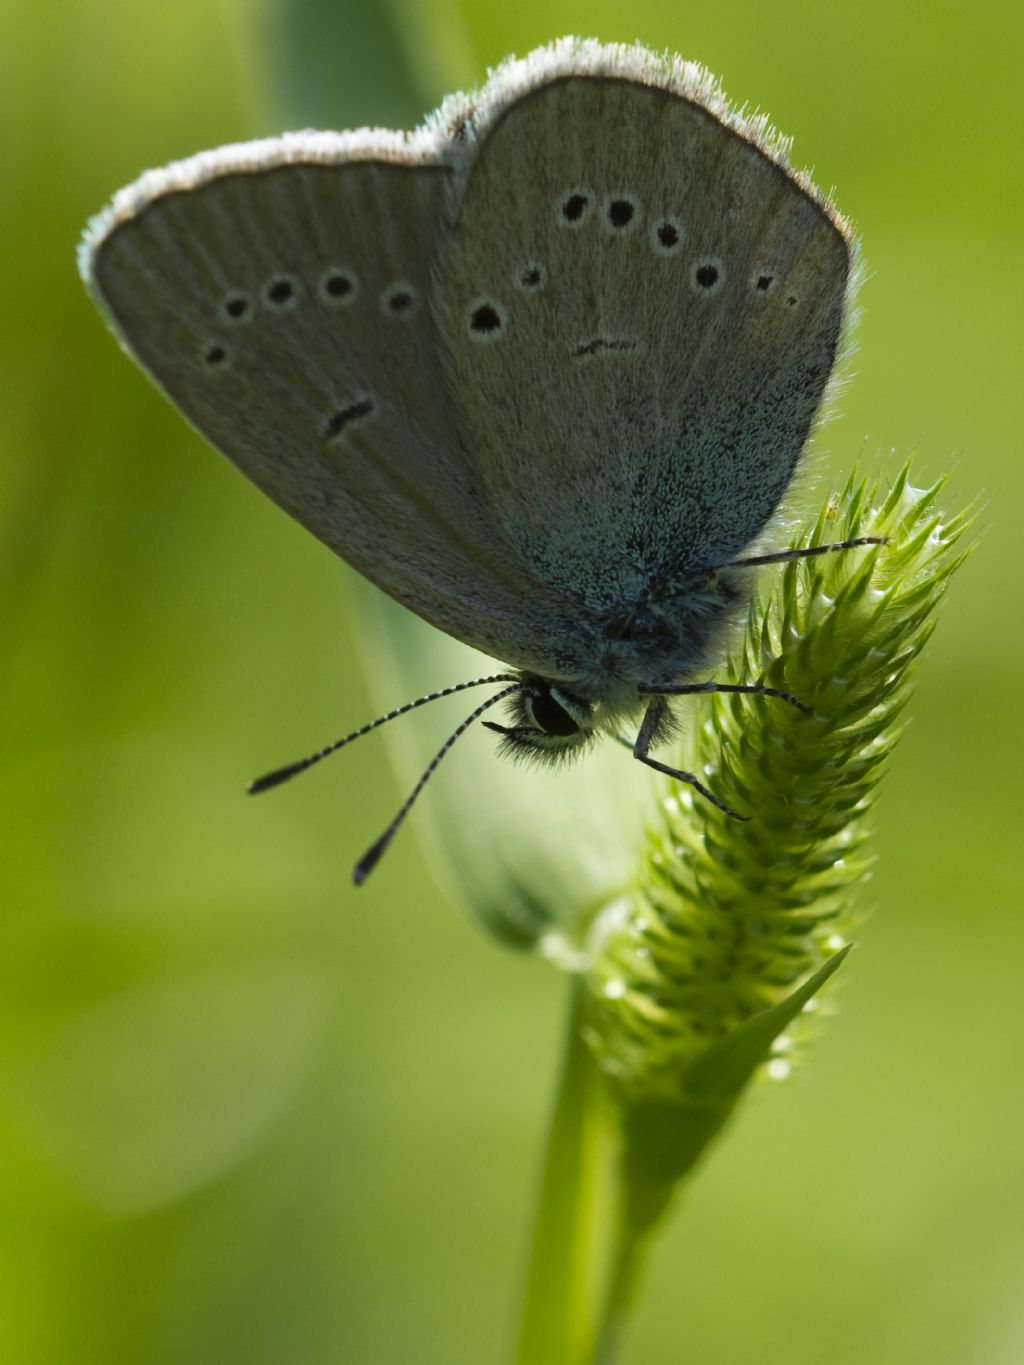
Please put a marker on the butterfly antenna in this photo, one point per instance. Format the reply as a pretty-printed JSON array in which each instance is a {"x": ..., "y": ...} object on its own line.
[
  {"x": 808, "y": 552},
  {"x": 279, "y": 775},
  {"x": 372, "y": 856}
]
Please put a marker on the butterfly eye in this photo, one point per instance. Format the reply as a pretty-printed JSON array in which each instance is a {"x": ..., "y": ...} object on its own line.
[
  {"x": 550, "y": 716},
  {"x": 556, "y": 712}
]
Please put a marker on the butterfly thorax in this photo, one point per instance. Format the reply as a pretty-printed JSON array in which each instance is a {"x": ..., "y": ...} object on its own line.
[
  {"x": 663, "y": 639},
  {"x": 664, "y": 634}
]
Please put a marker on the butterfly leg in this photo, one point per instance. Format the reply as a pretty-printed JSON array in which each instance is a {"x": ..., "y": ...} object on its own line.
[
  {"x": 689, "y": 689},
  {"x": 654, "y": 721},
  {"x": 807, "y": 552}
]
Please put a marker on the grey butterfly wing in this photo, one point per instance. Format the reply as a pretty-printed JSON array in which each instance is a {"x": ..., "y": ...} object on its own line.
[
  {"x": 279, "y": 294},
  {"x": 653, "y": 304}
]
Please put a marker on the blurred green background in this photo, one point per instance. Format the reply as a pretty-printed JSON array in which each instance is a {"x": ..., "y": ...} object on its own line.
[{"x": 247, "y": 1115}]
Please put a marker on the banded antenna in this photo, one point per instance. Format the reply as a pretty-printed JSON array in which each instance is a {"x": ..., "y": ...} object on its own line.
[{"x": 373, "y": 855}]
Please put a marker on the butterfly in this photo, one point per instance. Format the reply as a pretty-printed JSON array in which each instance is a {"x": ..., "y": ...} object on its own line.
[{"x": 542, "y": 370}]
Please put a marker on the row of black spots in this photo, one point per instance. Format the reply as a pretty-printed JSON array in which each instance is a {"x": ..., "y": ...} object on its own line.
[
  {"x": 343, "y": 418},
  {"x": 339, "y": 288},
  {"x": 620, "y": 213},
  {"x": 707, "y": 275},
  {"x": 336, "y": 288},
  {"x": 487, "y": 318}
]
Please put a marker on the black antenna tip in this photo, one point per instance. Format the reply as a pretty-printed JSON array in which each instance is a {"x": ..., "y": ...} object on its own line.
[
  {"x": 370, "y": 859},
  {"x": 274, "y": 779}
]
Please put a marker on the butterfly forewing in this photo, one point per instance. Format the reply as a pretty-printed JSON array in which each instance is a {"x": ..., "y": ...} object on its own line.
[
  {"x": 652, "y": 304},
  {"x": 284, "y": 306}
]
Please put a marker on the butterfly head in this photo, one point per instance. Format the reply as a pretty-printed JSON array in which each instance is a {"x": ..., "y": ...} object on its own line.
[{"x": 549, "y": 721}]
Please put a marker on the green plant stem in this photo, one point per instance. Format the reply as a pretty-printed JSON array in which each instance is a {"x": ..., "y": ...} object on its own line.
[
  {"x": 611, "y": 1169},
  {"x": 583, "y": 1259}
]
